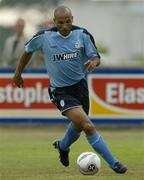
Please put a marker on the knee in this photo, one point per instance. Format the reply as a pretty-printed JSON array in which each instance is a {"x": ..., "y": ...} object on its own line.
[{"x": 89, "y": 128}]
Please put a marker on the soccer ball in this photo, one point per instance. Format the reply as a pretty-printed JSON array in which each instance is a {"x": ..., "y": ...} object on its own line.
[{"x": 88, "y": 163}]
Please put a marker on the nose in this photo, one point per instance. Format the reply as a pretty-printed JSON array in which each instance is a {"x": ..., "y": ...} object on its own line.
[{"x": 64, "y": 26}]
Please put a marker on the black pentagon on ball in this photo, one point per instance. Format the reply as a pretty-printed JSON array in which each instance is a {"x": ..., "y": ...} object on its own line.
[{"x": 91, "y": 167}]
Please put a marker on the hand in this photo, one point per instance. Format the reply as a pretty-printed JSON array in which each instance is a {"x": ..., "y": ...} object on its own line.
[
  {"x": 17, "y": 81},
  {"x": 92, "y": 64}
]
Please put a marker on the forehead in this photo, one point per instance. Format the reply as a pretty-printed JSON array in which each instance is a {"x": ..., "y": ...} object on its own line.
[
  {"x": 63, "y": 15},
  {"x": 63, "y": 18}
]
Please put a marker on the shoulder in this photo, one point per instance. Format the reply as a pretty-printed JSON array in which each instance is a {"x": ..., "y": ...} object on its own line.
[
  {"x": 9, "y": 41},
  {"x": 46, "y": 31},
  {"x": 85, "y": 33},
  {"x": 39, "y": 33},
  {"x": 82, "y": 30},
  {"x": 10, "y": 38},
  {"x": 78, "y": 28},
  {"x": 23, "y": 38}
]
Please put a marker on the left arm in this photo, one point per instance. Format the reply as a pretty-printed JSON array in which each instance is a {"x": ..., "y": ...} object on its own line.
[
  {"x": 92, "y": 64},
  {"x": 90, "y": 51}
]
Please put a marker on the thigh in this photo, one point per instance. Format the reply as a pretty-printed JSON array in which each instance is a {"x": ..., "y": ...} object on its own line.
[
  {"x": 83, "y": 95},
  {"x": 80, "y": 120}
]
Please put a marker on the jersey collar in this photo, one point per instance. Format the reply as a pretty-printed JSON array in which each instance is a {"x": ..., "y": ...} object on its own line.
[{"x": 65, "y": 37}]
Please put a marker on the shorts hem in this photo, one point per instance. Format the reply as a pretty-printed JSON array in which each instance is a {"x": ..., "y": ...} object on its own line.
[{"x": 72, "y": 107}]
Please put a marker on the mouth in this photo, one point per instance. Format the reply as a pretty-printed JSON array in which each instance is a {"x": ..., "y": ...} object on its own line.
[{"x": 65, "y": 32}]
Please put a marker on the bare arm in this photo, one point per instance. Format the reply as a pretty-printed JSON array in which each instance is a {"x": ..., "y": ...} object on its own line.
[{"x": 17, "y": 79}]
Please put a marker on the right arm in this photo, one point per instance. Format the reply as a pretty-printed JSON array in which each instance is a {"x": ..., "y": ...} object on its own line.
[
  {"x": 31, "y": 46},
  {"x": 17, "y": 79}
]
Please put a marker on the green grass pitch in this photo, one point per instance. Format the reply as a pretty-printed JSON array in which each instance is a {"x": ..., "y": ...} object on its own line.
[{"x": 26, "y": 153}]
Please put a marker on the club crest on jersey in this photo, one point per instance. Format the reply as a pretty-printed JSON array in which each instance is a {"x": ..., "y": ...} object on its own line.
[
  {"x": 62, "y": 103},
  {"x": 77, "y": 44},
  {"x": 65, "y": 56}
]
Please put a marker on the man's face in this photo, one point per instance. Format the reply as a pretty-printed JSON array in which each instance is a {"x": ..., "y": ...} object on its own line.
[
  {"x": 20, "y": 26},
  {"x": 63, "y": 24}
]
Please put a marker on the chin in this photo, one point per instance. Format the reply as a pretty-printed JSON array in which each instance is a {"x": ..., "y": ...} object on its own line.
[{"x": 65, "y": 33}]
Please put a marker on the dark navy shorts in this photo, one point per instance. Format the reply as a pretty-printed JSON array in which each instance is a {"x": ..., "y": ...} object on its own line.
[{"x": 71, "y": 96}]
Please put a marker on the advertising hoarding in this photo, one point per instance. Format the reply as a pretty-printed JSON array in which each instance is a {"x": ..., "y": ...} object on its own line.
[{"x": 115, "y": 96}]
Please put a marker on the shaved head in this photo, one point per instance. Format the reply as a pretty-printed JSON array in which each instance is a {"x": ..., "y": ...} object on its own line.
[
  {"x": 63, "y": 20},
  {"x": 62, "y": 11},
  {"x": 20, "y": 24}
]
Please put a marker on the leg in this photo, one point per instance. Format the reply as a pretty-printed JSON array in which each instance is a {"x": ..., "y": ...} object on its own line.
[
  {"x": 72, "y": 134},
  {"x": 69, "y": 138},
  {"x": 82, "y": 122},
  {"x": 63, "y": 145}
]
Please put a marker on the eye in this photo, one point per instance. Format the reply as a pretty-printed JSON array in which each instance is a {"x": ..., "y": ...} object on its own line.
[
  {"x": 68, "y": 21},
  {"x": 60, "y": 22}
]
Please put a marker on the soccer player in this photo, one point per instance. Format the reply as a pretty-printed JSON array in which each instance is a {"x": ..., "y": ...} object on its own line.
[{"x": 69, "y": 52}]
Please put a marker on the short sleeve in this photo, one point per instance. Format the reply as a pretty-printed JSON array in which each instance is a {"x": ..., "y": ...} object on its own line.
[
  {"x": 34, "y": 44},
  {"x": 89, "y": 45}
]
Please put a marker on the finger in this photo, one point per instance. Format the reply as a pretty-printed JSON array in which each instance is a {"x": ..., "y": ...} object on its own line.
[
  {"x": 90, "y": 68},
  {"x": 21, "y": 86}
]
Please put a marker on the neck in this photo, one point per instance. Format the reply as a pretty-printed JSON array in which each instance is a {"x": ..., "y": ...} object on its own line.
[
  {"x": 66, "y": 35},
  {"x": 19, "y": 35}
]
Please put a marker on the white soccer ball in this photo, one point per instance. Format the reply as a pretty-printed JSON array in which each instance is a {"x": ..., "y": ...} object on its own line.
[{"x": 88, "y": 163}]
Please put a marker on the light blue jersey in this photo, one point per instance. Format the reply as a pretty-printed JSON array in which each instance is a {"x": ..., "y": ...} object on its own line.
[{"x": 64, "y": 56}]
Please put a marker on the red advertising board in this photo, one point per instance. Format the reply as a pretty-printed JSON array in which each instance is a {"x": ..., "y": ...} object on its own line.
[
  {"x": 112, "y": 96},
  {"x": 34, "y": 95},
  {"x": 31, "y": 101},
  {"x": 117, "y": 95}
]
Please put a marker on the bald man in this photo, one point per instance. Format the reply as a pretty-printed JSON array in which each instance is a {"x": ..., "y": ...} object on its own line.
[
  {"x": 70, "y": 52},
  {"x": 14, "y": 45}
]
